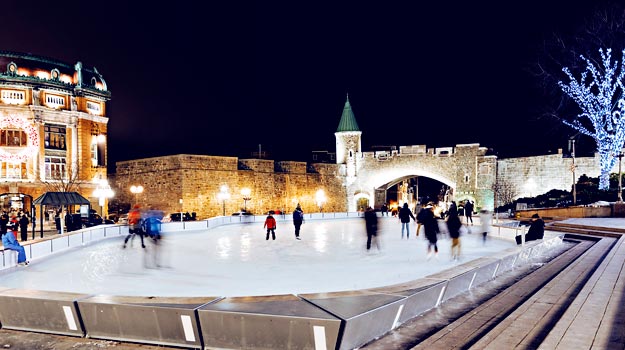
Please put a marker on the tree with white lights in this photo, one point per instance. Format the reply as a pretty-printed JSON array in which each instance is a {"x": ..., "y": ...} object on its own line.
[{"x": 599, "y": 94}]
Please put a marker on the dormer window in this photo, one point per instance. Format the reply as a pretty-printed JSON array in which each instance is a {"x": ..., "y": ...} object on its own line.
[
  {"x": 13, "y": 97},
  {"x": 93, "y": 107},
  {"x": 55, "y": 101}
]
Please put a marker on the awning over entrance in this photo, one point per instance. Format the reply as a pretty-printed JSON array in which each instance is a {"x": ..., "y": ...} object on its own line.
[
  {"x": 57, "y": 199},
  {"x": 61, "y": 198}
]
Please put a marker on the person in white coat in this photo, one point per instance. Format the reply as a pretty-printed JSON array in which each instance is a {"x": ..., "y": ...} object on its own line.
[{"x": 486, "y": 219}]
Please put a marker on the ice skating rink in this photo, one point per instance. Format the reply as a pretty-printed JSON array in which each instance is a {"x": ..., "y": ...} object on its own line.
[{"x": 236, "y": 260}]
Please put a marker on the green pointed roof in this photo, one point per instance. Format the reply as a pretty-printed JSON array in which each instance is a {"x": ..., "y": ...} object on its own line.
[{"x": 348, "y": 121}]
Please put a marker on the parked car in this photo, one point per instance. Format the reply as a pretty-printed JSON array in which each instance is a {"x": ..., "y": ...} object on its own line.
[
  {"x": 242, "y": 213},
  {"x": 123, "y": 219},
  {"x": 186, "y": 216},
  {"x": 78, "y": 221}
]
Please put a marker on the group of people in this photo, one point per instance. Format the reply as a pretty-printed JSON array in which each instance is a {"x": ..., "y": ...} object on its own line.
[
  {"x": 9, "y": 227},
  {"x": 271, "y": 225},
  {"x": 427, "y": 218},
  {"x": 144, "y": 223}
]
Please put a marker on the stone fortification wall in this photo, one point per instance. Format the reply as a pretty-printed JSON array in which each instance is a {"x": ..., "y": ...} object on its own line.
[
  {"x": 465, "y": 167},
  {"x": 531, "y": 176},
  {"x": 197, "y": 180}
]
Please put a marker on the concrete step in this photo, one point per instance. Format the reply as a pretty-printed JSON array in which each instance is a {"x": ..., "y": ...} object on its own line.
[
  {"x": 586, "y": 230},
  {"x": 475, "y": 325}
]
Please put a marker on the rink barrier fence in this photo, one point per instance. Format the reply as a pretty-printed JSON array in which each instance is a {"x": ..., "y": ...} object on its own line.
[
  {"x": 152, "y": 320},
  {"x": 336, "y": 320}
]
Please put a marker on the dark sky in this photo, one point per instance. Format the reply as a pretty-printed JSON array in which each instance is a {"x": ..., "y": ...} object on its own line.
[{"x": 200, "y": 78}]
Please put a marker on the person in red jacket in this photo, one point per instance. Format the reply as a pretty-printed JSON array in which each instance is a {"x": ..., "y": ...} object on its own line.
[
  {"x": 134, "y": 222},
  {"x": 270, "y": 224}
]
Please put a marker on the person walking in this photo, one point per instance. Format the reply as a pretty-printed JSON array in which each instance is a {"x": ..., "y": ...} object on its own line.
[
  {"x": 24, "y": 227},
  {"x": 298, "y": 220},
  {"x": 57, "y": 221},
  {"x": 4, "y": 222},
  {"x": 420, "y": 217},
  {"x": 453, "y": 226},
  {"x": 384, "y": 209},
  {"x": 485, "y": 220},
  {"x": 468, "y": 211},
  {"x": 404, "y": 216},
  {"x": 10, "y": 242},
  {"x": 453, "y": 209},
  {"x": 431, "y": 230},
  {"x": 270, "y": 225},
  {"x": 371, "y": 224}
]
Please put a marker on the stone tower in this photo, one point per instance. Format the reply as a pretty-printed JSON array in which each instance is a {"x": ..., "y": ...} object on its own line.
[{"x": 348, "y": 145}]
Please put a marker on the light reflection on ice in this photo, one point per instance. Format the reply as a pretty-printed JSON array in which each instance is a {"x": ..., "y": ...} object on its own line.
[
  {"x": 321, "y": 238},
  {"x": 223, "y": 247},
  {"x": 246, "y": 244}
]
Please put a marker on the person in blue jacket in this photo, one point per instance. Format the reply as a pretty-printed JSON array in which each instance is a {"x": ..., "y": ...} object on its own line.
[{"x": 9, "y": 242}]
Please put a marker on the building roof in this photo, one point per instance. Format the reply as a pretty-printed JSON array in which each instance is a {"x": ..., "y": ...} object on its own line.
[
  {"x": 60, "y": 198},
  {"x": 348, "y": 121},
  {"x": 89, "y": 76}
]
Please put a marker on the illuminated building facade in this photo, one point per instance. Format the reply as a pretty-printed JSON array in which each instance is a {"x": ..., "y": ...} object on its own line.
[{"x": 53, "y": 129}]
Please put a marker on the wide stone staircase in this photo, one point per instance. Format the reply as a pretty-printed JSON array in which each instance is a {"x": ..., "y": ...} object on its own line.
[{"x": 574, "y": 301}]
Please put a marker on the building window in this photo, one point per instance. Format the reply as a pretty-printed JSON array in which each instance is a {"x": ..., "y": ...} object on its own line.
[
  {"x": 13, "y": 97},
  {"x": 93, "y": 107},
  {"x": 55, "y": 168},
  {"x": 12, "y": 170},
  {"x": 13, "y": 138},
  {"x": 55, "y": 101},
  {"x": 484, "y": 169},
  {"x": 54, "y": 137},
  {"x": 94, "y": 152}
]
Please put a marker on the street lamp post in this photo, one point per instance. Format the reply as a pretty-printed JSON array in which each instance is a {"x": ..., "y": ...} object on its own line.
[
  {"x": 246, "y": 193},
  {"x": 136, "y": 190},
  {"x": 222, "y": 196},
  {"x": 103, "y": 192}
]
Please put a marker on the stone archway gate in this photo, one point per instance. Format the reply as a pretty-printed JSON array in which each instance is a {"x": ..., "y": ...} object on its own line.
[{"x": 465, "y": 168}]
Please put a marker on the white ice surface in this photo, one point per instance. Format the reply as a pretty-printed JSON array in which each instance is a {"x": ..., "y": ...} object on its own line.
[{"x": 236, "y": 260}]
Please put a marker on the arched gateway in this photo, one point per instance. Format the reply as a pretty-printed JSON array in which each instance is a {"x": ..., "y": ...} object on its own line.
[{"x": 465, "y": 168}]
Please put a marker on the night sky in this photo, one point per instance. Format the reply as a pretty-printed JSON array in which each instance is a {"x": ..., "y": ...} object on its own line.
[{"x": 200, "y": 78}]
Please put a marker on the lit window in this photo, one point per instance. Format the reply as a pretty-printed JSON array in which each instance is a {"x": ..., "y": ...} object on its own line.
[
  {"x": 94, "y": 151},
  {"x": 13, "y": 97},
  {"x": 93, "y": 107},
  {"x": 55, "y": 101},
  {"x": 13, "y": 138},
  {"x": 54, "y": 137},
  {"x": 55, "y": 168},
  {"x": 12, "y": 170}
]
